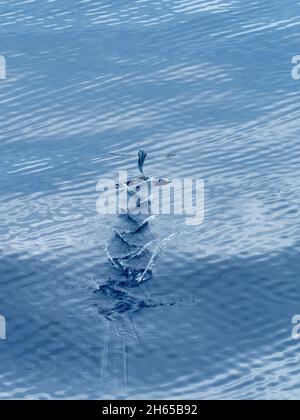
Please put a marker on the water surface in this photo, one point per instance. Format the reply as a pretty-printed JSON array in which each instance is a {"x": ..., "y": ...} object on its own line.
[{"x": 209, "y": 81}]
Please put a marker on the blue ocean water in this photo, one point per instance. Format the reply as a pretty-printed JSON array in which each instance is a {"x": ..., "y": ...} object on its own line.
[{"x": 208, "y": 81}]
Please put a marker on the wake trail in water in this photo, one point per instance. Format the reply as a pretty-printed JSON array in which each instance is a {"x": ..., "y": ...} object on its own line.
[{"x": 132, "y": 253}]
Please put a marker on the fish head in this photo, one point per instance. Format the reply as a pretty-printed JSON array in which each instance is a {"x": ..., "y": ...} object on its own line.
[{"x": 161, "y": 182}]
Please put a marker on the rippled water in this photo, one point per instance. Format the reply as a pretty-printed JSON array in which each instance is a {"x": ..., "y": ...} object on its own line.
[{"x": 209, "y": 81}]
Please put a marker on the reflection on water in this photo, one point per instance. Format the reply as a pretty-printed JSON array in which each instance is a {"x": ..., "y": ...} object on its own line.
[{"x": 206, "y": 82}]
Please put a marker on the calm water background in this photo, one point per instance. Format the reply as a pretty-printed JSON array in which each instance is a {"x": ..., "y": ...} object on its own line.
[{"x": 207, "y": 80}]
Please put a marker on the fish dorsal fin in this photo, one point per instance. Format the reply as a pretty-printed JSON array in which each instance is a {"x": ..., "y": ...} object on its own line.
[{"x": 142, "y": 158}]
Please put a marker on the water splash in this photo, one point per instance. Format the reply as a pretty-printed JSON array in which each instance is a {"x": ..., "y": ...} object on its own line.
[
  {"x": 142, "y": 158},
  {"x": 142, "y": 277}
]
